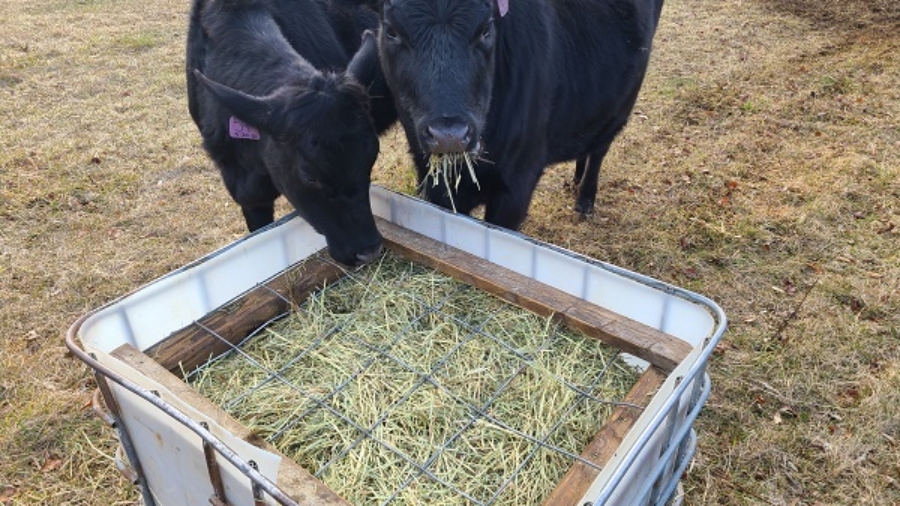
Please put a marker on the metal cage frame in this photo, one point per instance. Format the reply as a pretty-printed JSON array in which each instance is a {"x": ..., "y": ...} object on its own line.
[{"x": 674, "y": 419}]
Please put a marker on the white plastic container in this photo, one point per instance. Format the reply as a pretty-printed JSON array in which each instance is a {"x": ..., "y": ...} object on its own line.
[{"x": 164, "y": 436}]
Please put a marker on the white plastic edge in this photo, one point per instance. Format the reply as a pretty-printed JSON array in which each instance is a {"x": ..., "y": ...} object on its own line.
[{"x": 151, "y": 313}]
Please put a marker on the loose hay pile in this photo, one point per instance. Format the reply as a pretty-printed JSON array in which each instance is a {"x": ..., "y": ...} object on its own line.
[{"x": 401, "y": 385}]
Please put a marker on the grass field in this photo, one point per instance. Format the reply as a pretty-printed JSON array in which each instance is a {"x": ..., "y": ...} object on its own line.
[{"x": 760, "y": 169}]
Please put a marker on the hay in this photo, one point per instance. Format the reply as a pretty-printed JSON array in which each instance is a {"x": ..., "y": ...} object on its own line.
[
  {"x": 397, "y": 368},
  {"x": 445, "y": 168}
]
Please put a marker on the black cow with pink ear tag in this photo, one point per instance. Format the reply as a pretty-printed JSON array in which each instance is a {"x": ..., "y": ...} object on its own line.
[
  {"x": 508, "y": 87},
  {"x": 280, "y": 90}
]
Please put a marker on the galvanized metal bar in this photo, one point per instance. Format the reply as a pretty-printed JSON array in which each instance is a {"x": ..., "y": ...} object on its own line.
[
  {"x": 100, "y": 411},
  {"x": 682, "y": 434},
  {"x": 258, "y": 498},
  {"x": 688, "y": 445},
  {"x": 229, "y": 454},
  {"x": 136, "y": 476},
  {"x": 212, "y": 466},
  {"x": 124, "y": 467},
  {"x": 667, "y": 443},
  {"x": 669, "y": 491},
  {"x": 693, "y": 372}
]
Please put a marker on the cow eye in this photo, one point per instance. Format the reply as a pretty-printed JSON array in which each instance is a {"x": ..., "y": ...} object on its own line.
[
  {"x": 487, "y": 32},
  {"x": 390, "y": 33}
]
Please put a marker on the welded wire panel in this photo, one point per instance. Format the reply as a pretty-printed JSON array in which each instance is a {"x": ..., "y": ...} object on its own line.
[{"x": 400, "y": 385}]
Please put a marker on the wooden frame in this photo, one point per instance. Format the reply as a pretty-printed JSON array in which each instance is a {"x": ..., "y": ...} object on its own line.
[{"x": 195, "y": 345}]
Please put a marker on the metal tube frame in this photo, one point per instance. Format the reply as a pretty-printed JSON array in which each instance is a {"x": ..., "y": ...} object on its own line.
[{"x": 260, "y": 484}]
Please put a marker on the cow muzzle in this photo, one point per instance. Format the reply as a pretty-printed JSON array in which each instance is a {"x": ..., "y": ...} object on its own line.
[
  {"x": 369, "y": 255},
  {"x": 448, "y": 135}
]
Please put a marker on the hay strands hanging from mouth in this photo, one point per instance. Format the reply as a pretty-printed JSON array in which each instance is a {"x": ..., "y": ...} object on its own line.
[{"x": 445, "y": 168}]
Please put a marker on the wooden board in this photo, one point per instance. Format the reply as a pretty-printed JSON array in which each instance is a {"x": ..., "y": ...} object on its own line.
[
  {"x": 292, "y": 479},
  {"x": 194, "y": 345},
  {"x": 600, "y": 450},
  {"x": 658, "y": 348}
]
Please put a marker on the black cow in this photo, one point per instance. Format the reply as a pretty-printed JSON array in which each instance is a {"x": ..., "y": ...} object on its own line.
[
  {"x": 279, "y": 115},
  {"x": 517, "y": 84}
]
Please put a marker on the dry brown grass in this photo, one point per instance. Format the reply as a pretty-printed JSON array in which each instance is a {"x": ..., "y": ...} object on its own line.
[{"x": 761, "y": 170}]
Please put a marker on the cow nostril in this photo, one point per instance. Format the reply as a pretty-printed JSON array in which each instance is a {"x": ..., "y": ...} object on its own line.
[
  {"x": 370, "y": 255},
  {"x": 467, "y": 137},
  {"x": 448, "y": 137}
]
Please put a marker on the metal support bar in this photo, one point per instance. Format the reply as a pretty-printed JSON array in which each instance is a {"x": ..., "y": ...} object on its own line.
[
  {"x": 684, "y": 432},
  {"x": 258, "y": 498},
  {"x": 212, "y": 465},
  {"x": 215, "y": 501},
  {"x": 694, "y": 373},
  {"x": 124, "y": 467},
  {"x": 670, "y": 425},
  {"x": 136, "y": 476},
  {"x": 100, "y": 411},
  {"x": 105, "y": 372}
]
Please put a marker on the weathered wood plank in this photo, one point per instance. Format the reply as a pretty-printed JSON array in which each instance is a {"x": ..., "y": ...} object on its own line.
[
  {"x": 295, "y": 481},
  {"x": 658, "y": 348},
  {"x": 600, "y": 450},
  {"x": 194, "y": 345}
]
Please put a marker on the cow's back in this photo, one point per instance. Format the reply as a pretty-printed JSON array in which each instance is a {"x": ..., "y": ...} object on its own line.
[
  {"x": 249, "y": 45},
  {"x": 603, "y": 68},
  {"x": 523, "y": 78},
  {"x": 587, "y": 72},
  {"x": 194, "y": 57},
  {"x": 238, "y": 41}
]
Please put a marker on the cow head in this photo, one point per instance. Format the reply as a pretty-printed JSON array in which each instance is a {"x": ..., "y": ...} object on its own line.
[
  {"x": 320, "y": 146},
  {"x": 438, "y": 60}
]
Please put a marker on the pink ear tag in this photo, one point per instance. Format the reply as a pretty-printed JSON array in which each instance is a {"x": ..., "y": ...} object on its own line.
[
  {"x": 503, "y": 7},
  {"x": 237, "y": 129}
]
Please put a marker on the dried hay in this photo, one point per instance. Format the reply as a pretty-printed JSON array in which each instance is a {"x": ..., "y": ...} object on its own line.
[
  {"x": 397, "y": 368},
  {"x": 445, "y": 168}
]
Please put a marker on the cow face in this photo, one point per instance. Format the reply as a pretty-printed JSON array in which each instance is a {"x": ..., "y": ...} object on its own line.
[
  {"x": 323, "y": 162},
  {"x": 320, "y": 146},
  {"x": 438, "y": 60}
]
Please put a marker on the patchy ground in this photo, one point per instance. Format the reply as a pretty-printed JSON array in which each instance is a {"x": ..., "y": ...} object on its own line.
[{"x": 760, "y": 169}]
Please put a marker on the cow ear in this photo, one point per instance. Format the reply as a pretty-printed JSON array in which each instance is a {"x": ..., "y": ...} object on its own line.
[
  {"x": 502, "y": 7},
  {"x": 249, "y": 108},
  {"x": 364, "y": 64}
]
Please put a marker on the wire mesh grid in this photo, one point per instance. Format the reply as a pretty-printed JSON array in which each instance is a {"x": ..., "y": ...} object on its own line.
[{"x": 399, "y": 385}]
